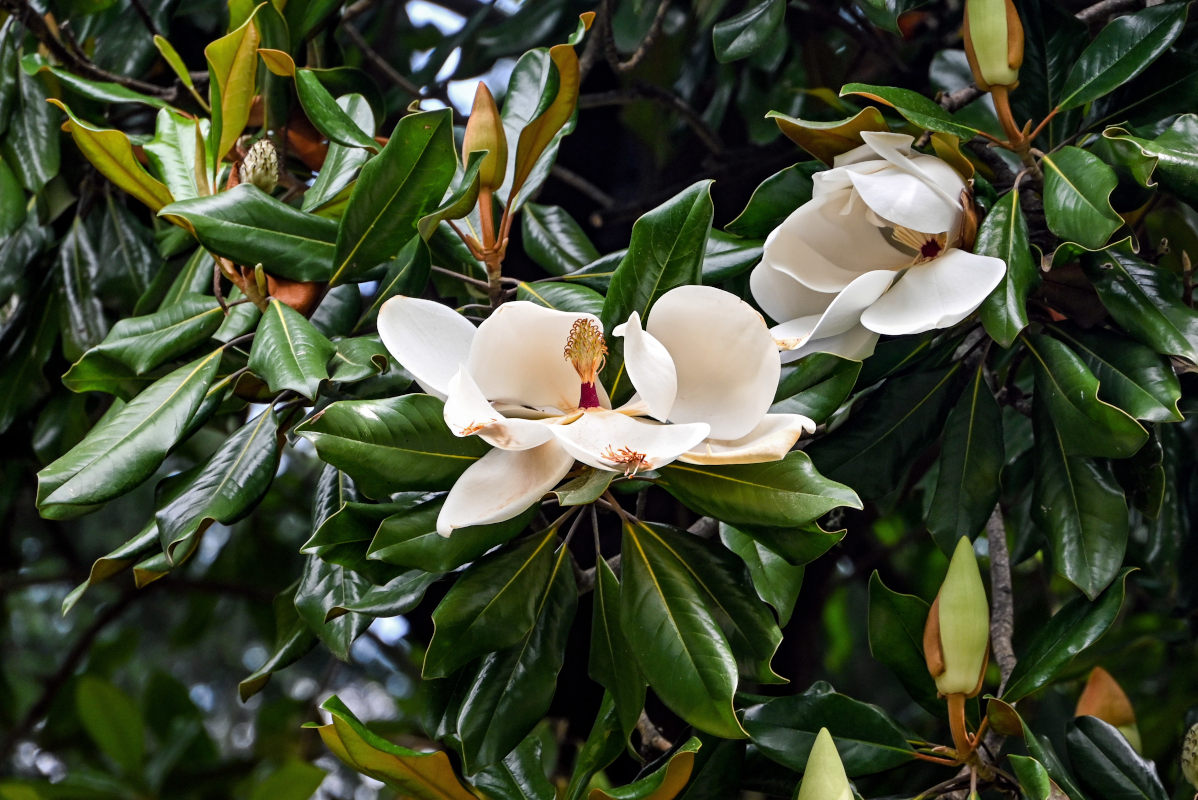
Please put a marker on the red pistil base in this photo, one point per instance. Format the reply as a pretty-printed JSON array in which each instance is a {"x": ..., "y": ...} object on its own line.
[{"x": 589, "y": 396}]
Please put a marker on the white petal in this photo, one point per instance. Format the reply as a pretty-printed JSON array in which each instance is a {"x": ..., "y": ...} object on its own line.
[
  {"x": 502, "y": 484},
  {"x": 428, "y": 339},
  {"x": 613, "y": 441},
  {"x": 856, "y": 343},
  {"x": 913, "y": 190},
  {"x": 518, "y": 356},
  {"x": 726, "y": 359},
  {"x": 649, "y": 366},
  {"x": 899, "y": 142},
  {"x": 843, "y": 313},
  {"x": 828, "y": 242},
  {"x": 467, "y": 412},
  {"x": 936, "y": 294},
  {"x": 781, "y": 296},
  {"x": 769, "y": 441}
]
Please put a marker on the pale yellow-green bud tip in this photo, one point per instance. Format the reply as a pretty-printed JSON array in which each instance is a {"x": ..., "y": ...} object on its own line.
[
  {"x": 1189, "y": 756},
  {"x": 993, "y": 42},
  {"x": 957, "y": 636},
  {"x": 484, "y": 131},
  {"x": 261, "y": 166},
  {"x": 824, "y": 778}
]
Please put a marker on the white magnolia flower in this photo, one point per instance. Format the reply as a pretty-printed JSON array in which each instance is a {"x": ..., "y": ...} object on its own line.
[
  {"x": 875, "y": 251},
  {"x": 526, "y": 381}
]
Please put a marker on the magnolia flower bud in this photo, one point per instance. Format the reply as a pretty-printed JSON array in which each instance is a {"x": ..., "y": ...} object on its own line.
[
  {"x": 993, "y": 42},
  {"x": 956, "y": 639},
  {"x": 484, "y": 131},
  {"x": 261, "y": 166},
  {"x": 1189, "y": 756},
  {"x": 824, "y": 777}
]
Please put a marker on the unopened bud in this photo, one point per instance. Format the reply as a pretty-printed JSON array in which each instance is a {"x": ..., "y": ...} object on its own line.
[
  {"x": 484, "y": 131},
  {"x": 1189, "y": 756},
  {"x": 1104, "y": 698},
  {"x": 993, "y": 42},
  {"x": 261, "y": 166},
  {"x": 824, "y": 778},
  {"x": 956, "y": 638}
]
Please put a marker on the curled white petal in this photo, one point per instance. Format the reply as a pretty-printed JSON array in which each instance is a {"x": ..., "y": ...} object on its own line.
[
  {"x": 857, "y": 344},
  {"x": 935, "y": 294},
  {"x": 842, "y": 314},
  {"x": 614, "y": 441},
  {"x": 771, "y": 440},
  {"x": 501, "y": 484},
  {"x": 649, "y": 367},
  {"x": 781, "y": 296},
  {"x": 726, "y": 360},
  {"x": 428, "y": 339},
  {"x": 467, "y": 413}
]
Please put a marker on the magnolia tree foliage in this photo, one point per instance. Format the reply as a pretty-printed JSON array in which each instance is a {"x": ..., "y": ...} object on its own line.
[{"x": 664, "y": 477}]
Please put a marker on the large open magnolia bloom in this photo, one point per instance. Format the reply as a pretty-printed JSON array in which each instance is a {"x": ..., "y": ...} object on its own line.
[
  {"x": 526, "y": 381},
  {"x": 875, "y": 251}
]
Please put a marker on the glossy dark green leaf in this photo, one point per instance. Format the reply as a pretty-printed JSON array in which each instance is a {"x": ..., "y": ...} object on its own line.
[
  {"x": 827, "y": 139},
  {"x": 115, "y": 561},
  {"x": 675, "y": 637},
  {"x": 129, "y": 248},
  {"x": 288, "y": 352},
  {"x": 874, "y": 450},
  {"x": 866, "y": 738},
  {"x": 128, "y": 445},
  {"x": 358, "y": 358},
  {"x": 323, "y": 588},
  {"x": 407, "y": 275},
  {"x": 1171, "y": 158},
  {"x": 81, "y": 319},
  {"x": 727, "y": 256},
  {"x": 787, "y": 493},
  {"x": 1003, "y": 234},
  {"x": 513, "y": 688},
  {"x": 10, "y": 41},
  {"x": 774, "y": 200},
  {"x": 896, "y": 623},
  {"x": 1079, "y": 506},
  {"x": 775, "y": 580},
  {"x": 173, "y": 154},
  {"x": 663, "y": 783},
  {"x": 603, "y": 745},
  {"x": 1079, "y": 624},
  {"x": 585, "y": 488},
  {"x": 113, "y": 721},
  {"x": 666, "y": 251},
  {"x": 461, "y": 199},
  {"x": 31, "y": 146},
  {"x": 1147, "y": 302},
  {"x": 519, "y": 776},
  {"x": 294, "y": 780},
  {"x": 227, "y": 487},
  {"x": 12, "y": 201},
  {"x": 327, "y": 116},
  {"x": 1053, "y": 39},
  {"x": 1077, "y": 191},
  {"x": 397, "y": 596},
  {"x": 491, "y": 606},
  {"x": 570, "y": 297},
  {"x": 1130, "y": 375},
  {"x": 798, "y": 546},
  {"x": 404, "y": 182},
  {"x": 1121, "y": 51},
  {"x": 18, "y": 249},
  {"x": 744, "y": 34},
  {"x": 915, "y": 107},
  {"x": 971, "y": 458},
  {"x": 1085, "y": 424},
  {"x": 554, "y": 240},
  {"x": 250, "y": 227},
  {"x": 409, "y": 538},
  {"x": 393, "y": 445},
  {"x": 612, "y": 663},
  {"x": 342, "y": 163},
  {"x": 1107, "y": 765},
  {"x": 1033, "y": 779},
  {"x": 815, "y": 386},
  {"x": 22, "y": 371},
  {"x": 142, "y": 343}
]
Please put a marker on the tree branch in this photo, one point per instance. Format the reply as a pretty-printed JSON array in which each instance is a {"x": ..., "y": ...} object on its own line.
[
  {"x": 1002, "y": 615},
  {"x": 656, "y": 94},
  {"x": 1106, "y": 8}
]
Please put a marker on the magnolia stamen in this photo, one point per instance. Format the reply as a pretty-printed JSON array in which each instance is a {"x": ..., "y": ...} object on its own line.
[
  {"x": 925, "y": 246},
  {"x": 587, "y": 353},
  {"x": 632, "y": 461}
]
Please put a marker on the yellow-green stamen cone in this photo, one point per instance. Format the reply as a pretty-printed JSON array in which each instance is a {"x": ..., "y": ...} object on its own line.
[
  {"x": 1189, "y": 756},
  {"x": 964, "y": 625},
  {"x": 993, "y": 42},
  {"x": 261, "y": 166},
  {"x": 824, "y": 778}
]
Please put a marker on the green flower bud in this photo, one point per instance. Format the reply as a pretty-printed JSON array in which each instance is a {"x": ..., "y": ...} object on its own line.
[
  {"x": 824, "y": 777},
  {"x": 261, "y": 166},
  {"x": 957, "y": 635},
  {"x": 1189, "y": 756},
  {"x": 993, "y": 42},
  {"x": 484, "y": 131}
]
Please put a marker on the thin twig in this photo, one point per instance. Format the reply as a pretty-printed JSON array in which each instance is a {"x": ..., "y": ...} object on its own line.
[
  {"x": 656, "y": 94},
  {"x": 650, "y": 735},
  {"x": 609, "y": 41},
  {"x": 1002, "y": 617},
  {"x": 146, "y": 19},
  {"x": 576, "y": 181},
  {"x": 959, "y": 98},
  {"x": 463, "y": 278},
  {"x": 373, "y": 57},
  {"x": 1106, "y": 8}
]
